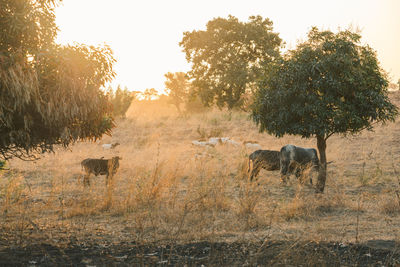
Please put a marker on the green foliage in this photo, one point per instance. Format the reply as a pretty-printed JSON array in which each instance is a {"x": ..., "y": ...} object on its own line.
[
  {"x": 229, "y": 57},
  {"x": 121, "y": 100},
  {"x": 50, "y": 94},
  {"x": 193, "y": 103},
  {"x": 2, "y": 164},
  {"x": 329, "y": 84}
]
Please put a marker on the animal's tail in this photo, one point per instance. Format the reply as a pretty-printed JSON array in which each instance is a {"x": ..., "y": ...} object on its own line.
[
  {"x": 250, "y": 165},
  {"x": 250, "y": 170}
]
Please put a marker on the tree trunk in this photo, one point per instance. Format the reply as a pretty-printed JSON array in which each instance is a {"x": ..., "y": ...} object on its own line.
[{"x": 321, "y": 144}]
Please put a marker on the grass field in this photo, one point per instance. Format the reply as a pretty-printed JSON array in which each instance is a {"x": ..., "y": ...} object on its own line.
[{"x": 168, "y": 191}]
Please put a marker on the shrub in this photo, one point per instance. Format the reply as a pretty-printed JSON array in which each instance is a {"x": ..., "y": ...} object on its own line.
[{"x": 121, "y": 100}]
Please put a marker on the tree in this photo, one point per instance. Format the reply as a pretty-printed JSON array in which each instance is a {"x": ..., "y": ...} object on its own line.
[
  {"x": 49, "y": 94},
  {"x": 193, "y": 103},
  {"x": 177, "y": 88},
  {"x": 121, "y": 100},
  {"x": 149, "y": 94},
  {"x": 328, "y": 85},
  {"x": 229, "y": 57}
]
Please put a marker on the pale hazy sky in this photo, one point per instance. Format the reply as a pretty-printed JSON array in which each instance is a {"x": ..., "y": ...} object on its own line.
[{"x": 145, "y": 35}]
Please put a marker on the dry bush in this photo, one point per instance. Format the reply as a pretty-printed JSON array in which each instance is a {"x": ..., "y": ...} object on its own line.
[
  {"x": 85, "y": 205},
  {"x": 390, "y": 205},
  {"x": 243, "y": 166},
  {"x": 12, "y": 191},
  {"x": 145, "y": 190},
  {"x": 171, "y": 205},
  {"x": 213, "y": 132},
  {"x": 249, "y": 196},
  {"x": 305, "y": 206}
]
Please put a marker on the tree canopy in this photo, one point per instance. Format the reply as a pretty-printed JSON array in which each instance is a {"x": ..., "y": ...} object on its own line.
[
  {"x": 229, "y": 57},
  {"x": 149, "y": 94},
  {"x": 330, "y": 84},
  {"x": 177, "y": 87},
  {"x": 49, "y": 94}
]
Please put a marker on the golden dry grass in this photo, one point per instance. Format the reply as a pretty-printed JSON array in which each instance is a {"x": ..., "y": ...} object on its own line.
[{"x": 169, "y": 190}]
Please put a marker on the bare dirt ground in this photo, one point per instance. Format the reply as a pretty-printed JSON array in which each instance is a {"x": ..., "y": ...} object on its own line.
[
  {"x": 277, "y": 253},
  {"x": 172, "y": 203}
]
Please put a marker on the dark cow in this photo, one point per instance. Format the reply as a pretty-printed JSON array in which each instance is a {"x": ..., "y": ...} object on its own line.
[
  {"x": 101, "y": 166},
  {"x": 263, "y": 159},
  {"x": 294, "y": 158}
]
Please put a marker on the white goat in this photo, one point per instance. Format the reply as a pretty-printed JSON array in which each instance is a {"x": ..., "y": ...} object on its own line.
[{"x": 110, "y": 146}]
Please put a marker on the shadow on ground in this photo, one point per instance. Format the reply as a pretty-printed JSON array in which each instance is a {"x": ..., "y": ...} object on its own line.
[{"x": 277, "y": 253}]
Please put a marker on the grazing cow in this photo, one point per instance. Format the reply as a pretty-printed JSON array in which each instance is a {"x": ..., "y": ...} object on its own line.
[
  {"x": 110, "y": 146},
  {"x": 266, "y": 159},
  {"x": 101, "y": 166},
  {"x": 293, "y": 158}
]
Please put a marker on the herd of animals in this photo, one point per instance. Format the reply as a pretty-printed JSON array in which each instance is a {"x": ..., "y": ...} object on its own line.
[{"x": 289, "y": 160}]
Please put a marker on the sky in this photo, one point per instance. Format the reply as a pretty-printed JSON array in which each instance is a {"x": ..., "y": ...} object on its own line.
[{"x": 145, "y": 35}]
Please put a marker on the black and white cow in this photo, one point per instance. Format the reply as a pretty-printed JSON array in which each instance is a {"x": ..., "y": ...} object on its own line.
[{"x": 297, "y": 159}]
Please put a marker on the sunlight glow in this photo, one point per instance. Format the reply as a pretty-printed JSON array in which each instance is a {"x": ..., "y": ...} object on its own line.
[{"x": 145, "y": 35}]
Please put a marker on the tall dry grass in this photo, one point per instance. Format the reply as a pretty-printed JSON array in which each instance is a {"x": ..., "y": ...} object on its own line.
[{"x": 168, "y": 190}]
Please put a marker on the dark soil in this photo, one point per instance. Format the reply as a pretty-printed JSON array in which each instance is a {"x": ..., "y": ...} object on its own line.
[{"x": 277, "y": 253}]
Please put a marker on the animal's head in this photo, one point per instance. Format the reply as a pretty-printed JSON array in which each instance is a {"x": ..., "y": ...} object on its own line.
[
  {"x": 113, "y": 164},
  {"x": 116, "y": 159},
  {"x": 115, "y": 144}
]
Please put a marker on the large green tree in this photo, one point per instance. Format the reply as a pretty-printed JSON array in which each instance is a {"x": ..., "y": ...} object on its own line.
[
  {"x": 49, "y": 94},
  {"x": 229, "y": 57},
  {"x": 330, "y": 84}
]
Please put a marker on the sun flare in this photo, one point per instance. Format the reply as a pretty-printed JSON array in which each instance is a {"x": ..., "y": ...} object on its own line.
[{"x": 145, "y": 35}]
